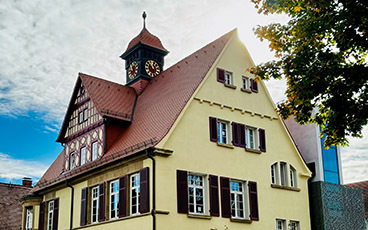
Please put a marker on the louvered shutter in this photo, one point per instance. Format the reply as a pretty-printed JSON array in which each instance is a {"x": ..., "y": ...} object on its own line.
[
  {"x": 213, "y": 129},
  {"x": 234, "y": 128},
  {"x": 182, "y": 191},
  {"x": 220, "y": 75},
  {"x": 41, "y": 220},
  {"x": 83, "y": 215},
  {"x": 253, "y": 200},
  {"x": 225, "y": 197},
  {"x": 214, "y": 196},
  {"x": 123, "y": 196},
  {"x": 242, "y": 135},
  {"x": 144, "y": 190},
  {"x": 262, "y": 140},
  {"x": 55, "y": 220},
  {"x": 101, "y": 203}
]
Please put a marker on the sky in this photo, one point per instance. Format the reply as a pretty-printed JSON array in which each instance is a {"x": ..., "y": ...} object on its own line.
[{"x": 45, "y": 44}]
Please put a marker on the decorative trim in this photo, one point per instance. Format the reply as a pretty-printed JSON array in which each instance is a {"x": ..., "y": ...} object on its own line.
[
  {"x": 200, "y": 216},
  {"x": 225, "y": 145},
  {"x": 285, "y": 187},
  {"x": 240, "y": 220},
  {"x": 163, "y": 152},
  {"x": 230, "y": 86},
  {"x": 246, "y": 90},
  {"x": 305, "y": 175},
  {"x": 163, "y": 212},
  {"x": 253, "y": 150}
]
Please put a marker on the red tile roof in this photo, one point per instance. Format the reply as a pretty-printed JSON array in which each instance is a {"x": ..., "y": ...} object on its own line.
[
  {"x": 10, "y": 205},
  {"x": 156, "y": 110},
  {"x": 146, "y": 38}
]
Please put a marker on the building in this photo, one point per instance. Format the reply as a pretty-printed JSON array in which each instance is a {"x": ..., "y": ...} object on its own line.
[
  {"x": 196, "y": 146},
  {"x": 332, "y": 204},
  {"x": 10, "y": 204},
  {"x": 364, "y": 186}
]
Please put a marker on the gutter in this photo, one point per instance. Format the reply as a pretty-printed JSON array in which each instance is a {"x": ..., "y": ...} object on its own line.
[
  {"x": 153, "y": 211},
  {"x": 71, "y": 205}
]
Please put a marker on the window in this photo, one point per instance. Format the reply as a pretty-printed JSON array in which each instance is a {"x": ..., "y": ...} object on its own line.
[
  {"x": 228, "y": 78},
  {"x": 293, "y": 177},
  {"x": 94, "y": 150},
  {"x": 283, "y": 174},
  {"x": 223, "y": 132},
  {"x": 29, "y": 218},
  {"x": 72, "y": 160},
  {"x": 85, "y": 114},
  {"x": 246, "y": 83},
  {"x": 134, "y": 194},
  {"x": 50, "y": 215},
  {"x": 251, "y": 138},
  {"x": 95, "y": 204},
  {"x": 274, "y": 174},
  {"x": 280, "y": 224},
  {"x": 237, "y": 199},
  {"x": 83, "y": 155},
  {"x": 294, "y": 225},
  {"x": 80, "y": 117},
  {"x": 114, "y": 199},
  {"x": 196, "y": 194}
]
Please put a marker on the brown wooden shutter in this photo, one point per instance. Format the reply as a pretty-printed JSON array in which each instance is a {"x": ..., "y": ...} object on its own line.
[
  {"x": 242, "y": 135},
  {"x": 101, "y": 203},
  {"x": 144, "y": 190},
  {"x": 220, "y": 75},
  {"x": 83, "y": 216},
  {"x": 41, "y": 220},
  {"x": 234, "y": 128},
  {"x": 213, "y": 129},
  {"x": 253, "y": 85},
  {"x": 182, "y": 191},
  {"x": 262, "y": 140},
  {"x": 55, "y": 220},
  {"x": 225, "y": 197},
  {"x": 253, "y": 200},
  {"x": 123, "y": 196},
  {"x": 214, "y": 196}
]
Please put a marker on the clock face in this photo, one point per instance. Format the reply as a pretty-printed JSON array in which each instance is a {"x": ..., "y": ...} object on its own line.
[
  {"x": 133, "y": 70},
  {"x": 152, "y": 68}
]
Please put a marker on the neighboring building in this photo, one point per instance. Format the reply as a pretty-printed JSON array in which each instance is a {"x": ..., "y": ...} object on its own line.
[
  {"x": 364, "y": 186},
  {"x": 333, "y": 205},
  {"x": 10, "y": 204},
  {"x": 197, "y": 146}
]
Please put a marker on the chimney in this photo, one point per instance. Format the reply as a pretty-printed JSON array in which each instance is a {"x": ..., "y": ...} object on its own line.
[{"x": 27, "y": 182}]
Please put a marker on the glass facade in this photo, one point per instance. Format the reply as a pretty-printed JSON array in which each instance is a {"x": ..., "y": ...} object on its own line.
[{"x": 330, "y": 163}]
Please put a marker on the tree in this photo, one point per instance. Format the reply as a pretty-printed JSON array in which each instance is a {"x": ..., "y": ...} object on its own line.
[{"x": 321, "y": 52}]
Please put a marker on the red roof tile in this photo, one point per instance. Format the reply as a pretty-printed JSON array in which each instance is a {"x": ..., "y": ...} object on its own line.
[
  {"x": 156, "y": 110},
  {"x": 146, "y": 38}
]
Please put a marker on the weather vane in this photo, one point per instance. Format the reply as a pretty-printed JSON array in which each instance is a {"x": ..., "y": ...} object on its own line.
[{"x": 144, "y": 15}]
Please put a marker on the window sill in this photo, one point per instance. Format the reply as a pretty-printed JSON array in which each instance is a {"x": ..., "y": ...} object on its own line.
[
  {"x": 285, "y": 187},
  {"x": 225, "y": 145},
  {"x": 253, "y": 150},
  {"x": 240, "y": 220},
  {"x": 246, "y": 90},
  {"x": 113, "y": 220},
  {"x": 230, "y": 86},
  {"x": 204, "y": 216}
]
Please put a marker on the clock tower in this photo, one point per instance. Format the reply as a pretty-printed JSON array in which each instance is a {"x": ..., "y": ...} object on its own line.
[{"x": 144, "y": 58}]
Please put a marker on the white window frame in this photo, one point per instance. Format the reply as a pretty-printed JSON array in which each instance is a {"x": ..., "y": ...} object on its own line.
[
  {"x": 280, "y": 224},
  {"x": 134, "y": 186},
  {"x": 253, "y": 138},
  {"x": 204, "y": 188},
  {"x": 80, "y": 117},
  {"x": 72, "y": 160},
  {"x": 95, "y": 191},
  {"x": 50, "y": 215},
  {"x": 283, "y": 174},
  {"x": 221, "y": 133},
  {"x": 29, "y": 218},
  {"x": 228, "y": 78},
  {"x": 275, "y": 173},
  {"x": 293, "y": 177},
  {"x": 94, "y": 151},
  {"x": 114, "y": 199},
  {"x": 244, "y": 194},
  {"x": 246, "y": 83},
  {"x": 83, "y": 155},
  {"x": 85, "y": 114},
  {"x": 294, "y": 225}
]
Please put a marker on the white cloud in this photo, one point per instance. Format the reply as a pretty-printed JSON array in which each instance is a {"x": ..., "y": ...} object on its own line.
[{"x": 11, "y": 168}]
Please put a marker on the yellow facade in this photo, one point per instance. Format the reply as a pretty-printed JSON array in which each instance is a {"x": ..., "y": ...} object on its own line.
[{"x": 194, "y": 152}]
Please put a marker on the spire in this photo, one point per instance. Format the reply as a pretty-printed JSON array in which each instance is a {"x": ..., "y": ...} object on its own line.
[{"x": 144, "y": 15}]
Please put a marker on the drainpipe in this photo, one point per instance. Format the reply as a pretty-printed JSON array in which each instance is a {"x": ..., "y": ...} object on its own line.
[
  {"x": 153, "y": 211},
  {"x": 71, "y": 205}
]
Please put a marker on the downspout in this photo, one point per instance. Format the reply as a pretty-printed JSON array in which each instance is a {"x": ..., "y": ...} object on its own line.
[
  {"x": 71, "y": 205},
  {"x": 153, "y": 211}
]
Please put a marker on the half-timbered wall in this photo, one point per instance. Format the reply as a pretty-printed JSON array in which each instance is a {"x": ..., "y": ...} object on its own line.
[{"x": 84, "y": 115}]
